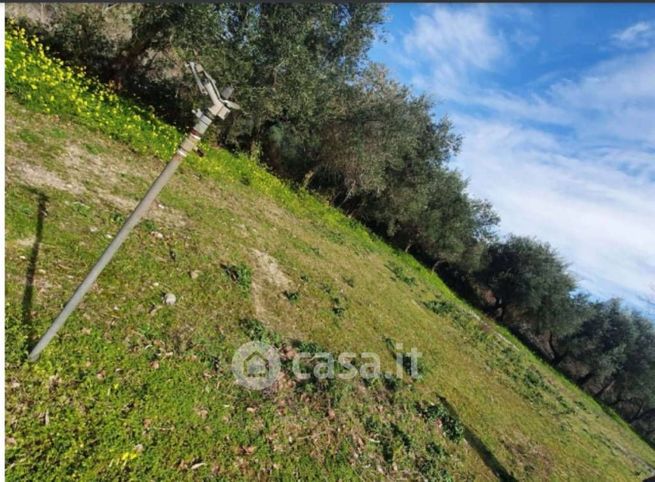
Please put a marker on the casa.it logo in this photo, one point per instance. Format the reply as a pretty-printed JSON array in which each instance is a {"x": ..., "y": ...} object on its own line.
[{"x": 256, "y": 365}]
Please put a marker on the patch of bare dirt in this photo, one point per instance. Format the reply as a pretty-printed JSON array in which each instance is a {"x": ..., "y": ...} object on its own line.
[
  {"x": 267, "y": 271},
  {"x": 23, "y": 243},
  {"x": 82, "y": 167},
  {"x": 38, "y": 176}
]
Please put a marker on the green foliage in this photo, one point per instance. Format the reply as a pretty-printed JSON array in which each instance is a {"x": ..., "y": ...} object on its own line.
[
  {"x": 431, "y": 463},
  {"x": 256, "y": 331},
  {"x": 338, "y": 307},
  {"x": 440, "y": 307},
  {"x": 451, "y": 425},
  {"x": 292, "y": 296},
  {"x": 49, "y": 86},
  {"x": 240, "y": 274},
  {"x": 399, "y": 272},
  {"x": 529, "y": 278}
]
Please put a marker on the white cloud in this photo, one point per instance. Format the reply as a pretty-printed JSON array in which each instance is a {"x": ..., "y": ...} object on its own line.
[
  {"x": 454, "y": 41},
  {"x": 597, "y": 216},
  {"x": 572, "y": 161},
  {"x": 641, "y": 34},
  {"x": 612, "y": 102},
  {"x": 614, "y": 98}
]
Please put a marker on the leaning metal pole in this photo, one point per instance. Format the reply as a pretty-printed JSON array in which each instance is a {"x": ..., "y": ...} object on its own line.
[{"x": 220, "y": 107}]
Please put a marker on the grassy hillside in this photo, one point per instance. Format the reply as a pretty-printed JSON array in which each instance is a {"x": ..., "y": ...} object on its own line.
[{"x": 134, "y": 388}]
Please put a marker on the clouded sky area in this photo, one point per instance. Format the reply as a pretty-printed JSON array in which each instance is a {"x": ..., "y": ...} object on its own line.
[{"x": 556, "y": 104}]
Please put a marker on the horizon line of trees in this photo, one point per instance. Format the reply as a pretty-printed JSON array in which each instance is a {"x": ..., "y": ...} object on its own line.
[{"x": 321, "y": 114}]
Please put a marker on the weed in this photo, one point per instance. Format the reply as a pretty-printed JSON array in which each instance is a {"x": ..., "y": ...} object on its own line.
[
  {"x": 400, "y": 274},
  {"x": 337, "y": 306},
  {"x": 117, "y": 217},
  {"x": 439, "y": 307},
  {"x": 430, "y": 465},
  {"x": 533, "y": 379},
  {"x": 29, "y": 137},
  {"x": 411, "y": 366},
  {"x": 239, "y": 274},
  {"x": 256, "y": 331},
  {"x": 94, "y": 148},
  {"x": 392, "y": 383},
  {"x": 292, "y": 296},
  {"x": 149, "y": 225},
  {"x": 327, "y": 288},
  {"x": 450, "y": 423},
  {"x": 81, "y": 208},
  {"x": 400, "y": 434},
  {"x": 383, "y": 435}
]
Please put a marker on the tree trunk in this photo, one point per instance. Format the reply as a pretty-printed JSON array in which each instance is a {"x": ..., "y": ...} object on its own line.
[
  {"x": 646, "y": 413},
  {"x": 309, "y": 177},
  {"x": 499, "y": 305},
  {"x": 126, "y": 61},
  {"x": 607, "y": 386},
  {"x": 557, "y": 357},
  {"x": 638, "y": 413},
  {"x": 408, "y": 246},
  {"x": 583, "y": 381},
  {"x": 345, "y": 198}
]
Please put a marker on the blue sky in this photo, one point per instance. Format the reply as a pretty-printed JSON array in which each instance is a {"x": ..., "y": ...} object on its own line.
[{"x": 556, "y": 104}]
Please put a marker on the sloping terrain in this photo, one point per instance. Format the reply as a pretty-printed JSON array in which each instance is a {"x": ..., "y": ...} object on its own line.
[{"x": 135, "y": 388}]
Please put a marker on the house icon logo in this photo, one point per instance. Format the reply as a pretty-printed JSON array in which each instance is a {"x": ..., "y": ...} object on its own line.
[{"x": 256, "y": 365}]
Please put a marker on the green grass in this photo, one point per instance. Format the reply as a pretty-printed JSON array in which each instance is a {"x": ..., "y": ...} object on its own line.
[{"x": 136, "y": 389}]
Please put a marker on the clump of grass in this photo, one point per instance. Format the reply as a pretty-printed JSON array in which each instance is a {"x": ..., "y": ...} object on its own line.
[
  {"x": 450, "y": 423},
  {"x": 349, "y": 280},
  {"x": 292, "y": 296},
  {"x": 81, "y": 208},
  {"x": 338, "y": 307},
  {"x": 381, "y": 433},
  {"x": 117, "y": 217},
  {"x": 148, "y": 224},
  {"x": 327, "y": 288},
  {"x": 256, "y": 331},
  {"x": 239, "y": 274},
  {"x": 405, "y": 359},
  {"x": 391, "y": 437},
  {"x": 440, "y": 307},
  {"x": 533, "y": 379},
  {"x": 399, "y": 272},
  {"x": 430, "y": 464},
  {"x": 392, "y": 383},
  {"x": 331, "y": 389}
]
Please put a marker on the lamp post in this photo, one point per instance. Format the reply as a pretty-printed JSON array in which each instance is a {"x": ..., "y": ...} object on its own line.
[{"x": 220, "y": 107}]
